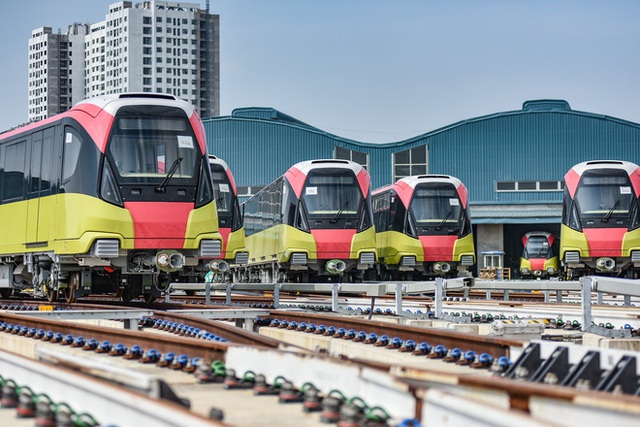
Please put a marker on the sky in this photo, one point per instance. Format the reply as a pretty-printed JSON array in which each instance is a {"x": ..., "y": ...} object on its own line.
[{"x": 387, "y": 70}]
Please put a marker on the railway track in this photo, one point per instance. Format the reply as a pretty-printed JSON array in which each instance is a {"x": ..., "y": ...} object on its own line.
[{"x": 264, "y": 354}]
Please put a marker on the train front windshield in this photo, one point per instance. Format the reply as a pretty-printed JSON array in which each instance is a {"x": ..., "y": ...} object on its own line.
[
  {"x": 332, "y": 193},
  {"x": 434, "y": 207},
  {"x": 150, "y": 143},
  {"x": 603, "y": 194},
  {"x": 537, "y": 247}
]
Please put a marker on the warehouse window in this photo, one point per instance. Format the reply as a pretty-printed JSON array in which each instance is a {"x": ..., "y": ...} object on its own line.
[
  {"x": 355, "y": 156},
  {"x": 410, "y": 162},
  {"x": 503, "y": 186}
]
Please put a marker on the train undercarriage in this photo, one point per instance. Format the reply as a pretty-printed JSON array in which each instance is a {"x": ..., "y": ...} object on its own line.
[{"x": 143, "y": 274}]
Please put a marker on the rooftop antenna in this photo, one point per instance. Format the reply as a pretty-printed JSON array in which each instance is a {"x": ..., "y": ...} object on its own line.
[{"x": 207, "y": 6}]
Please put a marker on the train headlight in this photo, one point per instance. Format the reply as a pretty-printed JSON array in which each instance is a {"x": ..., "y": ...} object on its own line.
[
  {"x": 442, "y": 267},
  {"x": 551, "y": 270},
  {"x": 335, "y": 266},
  {"x": 162, "y": 260},
  {"x": 219, "y": 266},
  {"x": 605, "y": 264},
  {"x": 525, "y": 270},
  {"x": 169, "y": 261}
]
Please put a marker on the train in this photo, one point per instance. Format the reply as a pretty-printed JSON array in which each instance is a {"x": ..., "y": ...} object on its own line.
[
  {"x": 600, "y": 231},
  {"x": 118, "y": 195},
  {"x": 112, "y": 196},
  {"x": 312, "y": 224},
  {"x": 539, "y": 258},
  {"x": 423, "y": 228},
  {"x": 234, "y": 255}
]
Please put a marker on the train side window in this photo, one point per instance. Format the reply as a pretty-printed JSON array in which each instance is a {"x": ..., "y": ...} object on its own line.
[
  {"x": 289, "y": 206},
  {"x": 14, "y": 168},
  {"x": 398, "y": 213},
  {"x": 36, "y": 162},
  {"x": 48, "y": 160},
  {"x": 41, "y": 162},
  {"x": 72, "y": 145},
  {"x": 381, "y": 204}
]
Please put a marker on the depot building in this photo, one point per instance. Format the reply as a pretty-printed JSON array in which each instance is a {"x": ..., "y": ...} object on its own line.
[{"x": 512, "y": 162}]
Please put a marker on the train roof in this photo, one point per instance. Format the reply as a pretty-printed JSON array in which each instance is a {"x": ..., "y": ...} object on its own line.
[
  {"x": 218, "y": 161},
  {"x": 419, "y": 179},
  {"x": 112, "y": 102},
  {"x": 414, "y": 180},
  {"x": 538, "y": 233},
  {"x": 405, "y": 187},
  {"x": 294, "y": 173},
  {"x": 605, "y": 164},
  {"x": 308, "y": 165},
  {"x": 572, "y": 177}
]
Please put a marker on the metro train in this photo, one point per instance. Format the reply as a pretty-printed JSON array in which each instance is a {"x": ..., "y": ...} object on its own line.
[
  {"x": 112, "y": 196},
  {"x": 230, "y": 222},
  {"x": 423, "y": 228},
  {"x": 314, "y": 223},
  {"x": 539, "y": 256},
  {"x": 600, "y": 232}
]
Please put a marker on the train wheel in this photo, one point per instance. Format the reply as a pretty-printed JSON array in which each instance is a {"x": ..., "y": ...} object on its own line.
[
  {"x": 52, "y": 295},
  {"x": 149, "y": 298},
  {"x": 70, "y": 290},
  {"x": 51, "y": 288},
  {"x": 126, "y": 294}
]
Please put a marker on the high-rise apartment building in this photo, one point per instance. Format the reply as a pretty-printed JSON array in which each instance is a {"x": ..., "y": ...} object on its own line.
[
  {"x": 154, "y": 46},
  {"x": 52, "y": 86}
]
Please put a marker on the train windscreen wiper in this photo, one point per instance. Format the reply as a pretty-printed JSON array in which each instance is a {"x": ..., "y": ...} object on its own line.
[
  {"x": 444, "y": 220},
  {"x": 174, "y": 167},
  {"x": 344, "y": 206},
  {"x": 608, "y": 215}
]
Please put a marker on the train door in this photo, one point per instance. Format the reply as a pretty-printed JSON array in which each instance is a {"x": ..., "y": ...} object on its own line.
[
  {"x": 381, "y": 204},
  {"x": 12, "y": 228},
  {"x": 41, "y": 208}
]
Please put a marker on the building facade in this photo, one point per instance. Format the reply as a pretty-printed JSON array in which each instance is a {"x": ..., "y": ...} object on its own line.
[
  {"x": 55, "y": 81},
  {"x": 154, "y": 46}
]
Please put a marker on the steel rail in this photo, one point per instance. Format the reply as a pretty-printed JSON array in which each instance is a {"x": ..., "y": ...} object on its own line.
[
  {"x": 495, "y": 347},
  {"x": 232, "y": 333},
  {"x": 108, "y": 403},
  {"x": 206, "y": 350}
]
